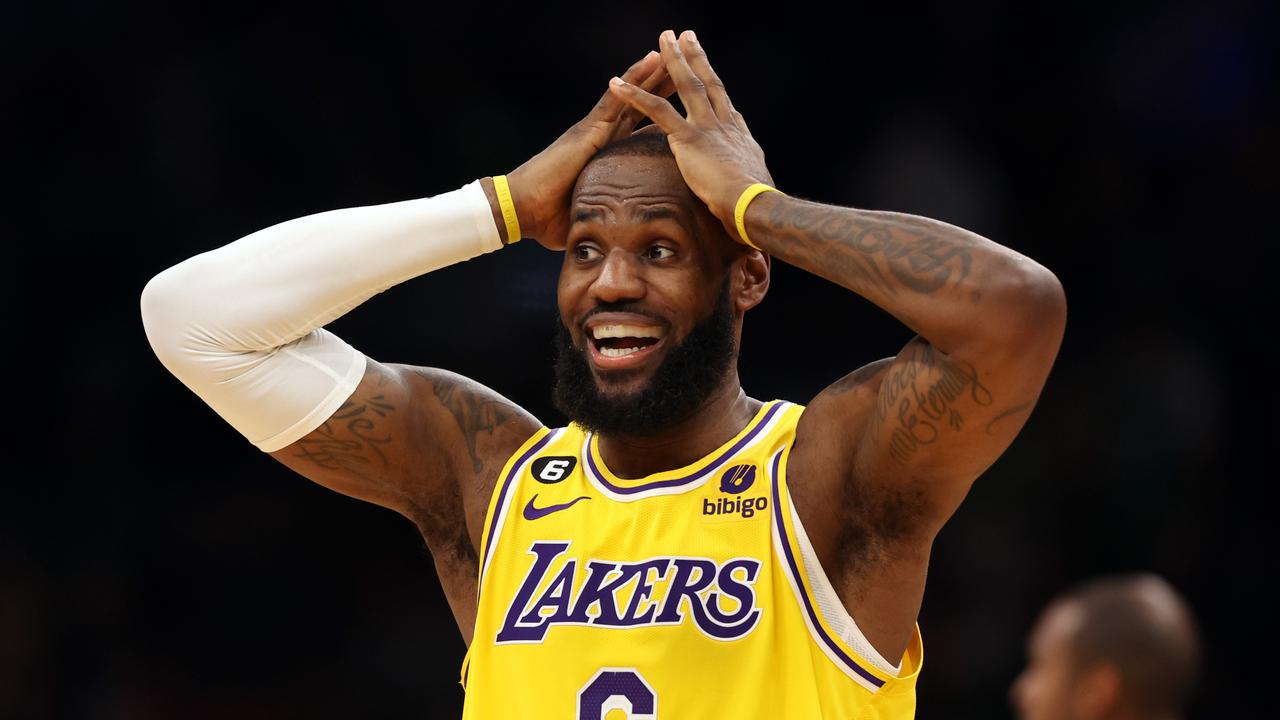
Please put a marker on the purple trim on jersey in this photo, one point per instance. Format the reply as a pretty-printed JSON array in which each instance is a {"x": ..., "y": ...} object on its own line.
[
  {"x": 808, "y": 604},
  {"x": 502, "y": 498},
  {"x": 688, "y": 478}
]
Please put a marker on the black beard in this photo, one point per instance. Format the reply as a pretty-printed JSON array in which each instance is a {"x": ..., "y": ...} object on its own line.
[{"x": 690, "y": 372}]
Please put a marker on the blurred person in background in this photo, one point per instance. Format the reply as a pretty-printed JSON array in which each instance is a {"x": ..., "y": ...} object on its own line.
[{"x": 1114, "y": 648}]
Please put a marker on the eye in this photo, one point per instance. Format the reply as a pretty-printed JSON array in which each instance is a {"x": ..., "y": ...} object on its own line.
[
  {"x": 655, "y": 252},
  {"x": 583, "y": 250}
]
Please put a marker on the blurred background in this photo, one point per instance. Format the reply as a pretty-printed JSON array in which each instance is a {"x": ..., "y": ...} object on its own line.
[{"x": 154, "y": 564}]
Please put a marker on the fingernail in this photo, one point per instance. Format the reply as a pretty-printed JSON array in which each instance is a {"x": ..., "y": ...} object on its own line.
[
  {"x": 669, "y": 35},
  {"x": 617, "y": 81},
  {"x": 651, "y": 54},
  {"x": 693, "y": 36}
]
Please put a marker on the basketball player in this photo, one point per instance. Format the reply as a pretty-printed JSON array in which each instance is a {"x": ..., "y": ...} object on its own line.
[
  {"x": 680, "y": 549},
  {"x": 1116, "y": 648}
]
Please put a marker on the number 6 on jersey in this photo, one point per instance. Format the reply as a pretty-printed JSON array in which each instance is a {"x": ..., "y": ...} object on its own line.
[{"x": 617, "y": 689}]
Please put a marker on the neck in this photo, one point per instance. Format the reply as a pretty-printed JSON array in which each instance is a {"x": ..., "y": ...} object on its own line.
[{"x": 722, "y": 416}]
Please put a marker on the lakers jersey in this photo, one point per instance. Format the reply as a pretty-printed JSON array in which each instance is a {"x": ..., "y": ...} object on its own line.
[{"x": 690, "y": 593}]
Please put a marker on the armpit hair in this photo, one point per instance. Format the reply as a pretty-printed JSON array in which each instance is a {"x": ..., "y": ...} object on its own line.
[{"x": 877, "y": 521}]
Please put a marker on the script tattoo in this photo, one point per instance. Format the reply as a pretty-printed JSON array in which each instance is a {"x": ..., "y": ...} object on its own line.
[
  {"x": 918, "y": 400},
  {"x": 1007, "y": 413},
  {"x": 472, "y": 413},
  {"x": 868, "y": 250},
  {"x": 350, "y": 439}
]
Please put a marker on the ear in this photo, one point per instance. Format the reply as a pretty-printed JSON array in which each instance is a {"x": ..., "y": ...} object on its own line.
[
  {"x": 1098, "y": 692},
  {"x": 750, "y": 283}
]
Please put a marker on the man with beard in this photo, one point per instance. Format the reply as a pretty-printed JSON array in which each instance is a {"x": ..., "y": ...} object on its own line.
[
  {"x": 679, "y": 547},
  {"x": 680, "y": 383}
]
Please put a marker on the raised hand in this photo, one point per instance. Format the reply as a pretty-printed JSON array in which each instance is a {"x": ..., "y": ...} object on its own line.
[
  {"x": 542, "y": 186},
  {"x": 713, "y": 147}
]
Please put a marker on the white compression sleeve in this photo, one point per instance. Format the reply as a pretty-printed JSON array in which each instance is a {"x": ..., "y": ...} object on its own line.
[{"x": 241, "y": 325}]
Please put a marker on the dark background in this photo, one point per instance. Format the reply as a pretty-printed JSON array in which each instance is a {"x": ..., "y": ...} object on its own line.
[{"x": 154, "y": 564}]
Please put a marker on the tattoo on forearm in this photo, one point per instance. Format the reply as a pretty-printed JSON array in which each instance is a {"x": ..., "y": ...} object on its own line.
[
  {"x": 473, "y": 414},
  {"x": 870, "y": 252},
  {"x": 350, "y": 439},
  {"x": 918, "y": 400}
]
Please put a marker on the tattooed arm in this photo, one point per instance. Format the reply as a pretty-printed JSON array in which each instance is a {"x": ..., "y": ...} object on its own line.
[
  {"x": 885, "y": 455},
  {"x": 424, "y": 442},
  {"x": 893, "y": 448},
  {"x": 427, "y": 443},
  {"x": 989, "y": 322},
  {"x": 406, "y": 429},
  {"x": 242, "y": 326}
]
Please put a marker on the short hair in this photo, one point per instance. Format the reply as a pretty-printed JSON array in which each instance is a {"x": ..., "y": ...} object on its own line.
[
  {"x": 1141, "y": 625},
  {"x": 642, "y": 143}
]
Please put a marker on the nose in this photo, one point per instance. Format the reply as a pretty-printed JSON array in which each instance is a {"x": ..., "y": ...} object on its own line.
[{"x": 619, "y": 278}]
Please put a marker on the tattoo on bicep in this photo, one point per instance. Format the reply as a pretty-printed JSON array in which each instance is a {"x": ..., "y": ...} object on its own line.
[
  {"x": 857, "y": 378},
  {"x": 350, "y": 439},
  {"x": 918, "y": 399},
  {"x": 884, "y": 254},
  {"x": 1007, "y": 413},
  {"x": 473, "y": 414}
]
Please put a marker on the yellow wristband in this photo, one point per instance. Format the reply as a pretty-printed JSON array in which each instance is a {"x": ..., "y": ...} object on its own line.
[
  {"x": 508, "y": 208},
  {"x": 740, "y": 211}
]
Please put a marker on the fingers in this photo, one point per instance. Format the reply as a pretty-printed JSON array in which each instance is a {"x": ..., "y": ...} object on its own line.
[
  {"x": 697, "y": 59},
  {"x": 609, "y": 107},
  {"x": 692, "y": 88},
  {"x": 667, "y": 87},
  {"x": 657, "y": 83},
  {"x": 657, "y": 109}
]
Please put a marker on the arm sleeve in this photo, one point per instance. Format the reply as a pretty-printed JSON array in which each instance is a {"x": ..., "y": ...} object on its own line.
[{"x": 241, "y": 325}]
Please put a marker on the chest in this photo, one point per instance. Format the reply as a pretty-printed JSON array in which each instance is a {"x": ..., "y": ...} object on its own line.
[{"x": 573, "y": 549}]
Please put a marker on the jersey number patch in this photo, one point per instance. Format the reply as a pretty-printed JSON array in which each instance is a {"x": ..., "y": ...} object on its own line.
[
  {"x": 617, "y": 689},
  {"x": 553, "y": 469}
]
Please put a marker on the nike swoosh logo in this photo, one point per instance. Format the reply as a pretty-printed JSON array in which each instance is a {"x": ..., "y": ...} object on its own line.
[{"x": 533, "y": 512}]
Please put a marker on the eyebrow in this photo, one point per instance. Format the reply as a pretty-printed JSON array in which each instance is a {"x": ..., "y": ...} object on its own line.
[{"x": 646, "y": 215}]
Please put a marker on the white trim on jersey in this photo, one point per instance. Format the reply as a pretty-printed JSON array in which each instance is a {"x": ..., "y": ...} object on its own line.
[
  {"x": 829, "y": 604},
  {"x": 826, "y": 601}
]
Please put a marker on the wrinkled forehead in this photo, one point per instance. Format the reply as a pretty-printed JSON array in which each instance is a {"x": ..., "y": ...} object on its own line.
[{"x": 634, "y": 189}]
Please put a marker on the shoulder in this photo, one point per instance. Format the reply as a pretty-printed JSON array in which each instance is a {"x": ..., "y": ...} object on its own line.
[
  {"x": 469, "y": 406},
  {"x": 476, "y": 428},
  {"x": 832, "y": 420}
]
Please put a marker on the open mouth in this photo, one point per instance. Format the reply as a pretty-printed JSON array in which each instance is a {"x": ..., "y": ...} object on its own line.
[{"x": 619, "y": 346}]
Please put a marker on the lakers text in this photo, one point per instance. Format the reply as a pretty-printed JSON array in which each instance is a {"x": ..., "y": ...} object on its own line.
[{"x": 717, "y": 597}]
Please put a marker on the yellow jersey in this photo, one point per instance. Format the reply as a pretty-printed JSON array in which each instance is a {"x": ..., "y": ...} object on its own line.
[{"x": 690, "y": 593}]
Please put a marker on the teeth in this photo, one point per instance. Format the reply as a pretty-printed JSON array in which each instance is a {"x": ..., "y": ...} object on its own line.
[
  {"x": 618, "y": 331},
  {"x": 617, "y": 352}
]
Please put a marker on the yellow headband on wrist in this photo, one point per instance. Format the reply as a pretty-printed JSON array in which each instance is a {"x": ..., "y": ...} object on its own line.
[
  {"x": 508, "y": 208},
  {"x": 740, "y": 211}
]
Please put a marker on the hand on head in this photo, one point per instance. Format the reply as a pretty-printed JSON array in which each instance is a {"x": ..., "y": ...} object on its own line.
[
  {"x": 715, "y": 151},
  {"x": 541, "y": 187}
]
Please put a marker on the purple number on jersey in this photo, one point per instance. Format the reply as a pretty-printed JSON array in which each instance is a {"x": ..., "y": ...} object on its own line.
[{"x": 617, "y": 688}]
